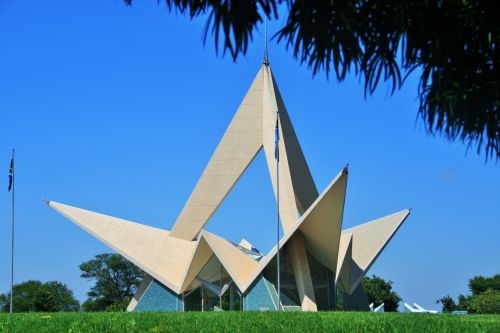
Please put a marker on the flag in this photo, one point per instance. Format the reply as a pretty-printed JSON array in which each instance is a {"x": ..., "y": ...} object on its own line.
[
  {"x": 276, "y": 140},
  {"x": 11, "y": 173}
]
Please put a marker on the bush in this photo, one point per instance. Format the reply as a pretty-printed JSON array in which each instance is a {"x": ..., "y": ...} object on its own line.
[{"x": 488, "y": 302}]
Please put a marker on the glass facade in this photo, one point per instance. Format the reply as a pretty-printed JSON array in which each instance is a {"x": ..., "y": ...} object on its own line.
[
  {"x": 157, "y": 298},
  {"x": 261, "y": 296},
  {"x": 322, "y": 278},
  {"x": 288, "y": 286},
  {"x": 341, "y": 298},
  {"x": 323, "y": 283},
  {"x": 192, "y": 300},
  {"x": 213, "y": 290}
]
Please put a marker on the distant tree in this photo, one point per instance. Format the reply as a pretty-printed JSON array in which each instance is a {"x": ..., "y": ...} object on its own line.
[
  {"x": 115, "y": 282},
  {"x": 54, "y": 296},
  {"x": 35, "y": 296},
  {"x": 380, "y": 291},
  {"x": 448, "y": 303},
  {"x": 484, "y": 298},
  {"x": 480, "y": 284},
  {"x": 453, "y": 46}
]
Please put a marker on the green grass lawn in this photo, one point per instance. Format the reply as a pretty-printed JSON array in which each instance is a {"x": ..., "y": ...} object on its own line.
[{"x": 247, "y": 322}]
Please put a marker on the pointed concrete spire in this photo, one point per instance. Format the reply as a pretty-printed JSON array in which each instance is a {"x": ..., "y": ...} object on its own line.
[
  {"x": 297, "y": 188},
  {"x": 251, "y": 128},
  {"x": 237, "y": 149},
  {"x": 151, "y": 249},
  {"x": 322, "y": 224},
  {"x": 368, "y": 241}
]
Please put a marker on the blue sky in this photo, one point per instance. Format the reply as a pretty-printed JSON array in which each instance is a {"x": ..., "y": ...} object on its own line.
[{"x": 118, "y": 109}]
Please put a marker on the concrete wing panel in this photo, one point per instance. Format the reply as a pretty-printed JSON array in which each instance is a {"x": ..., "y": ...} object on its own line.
[
  {"x": 303, "y": 184},
  {"x": 236, "y": 150},
  {"x": 322, "y": 224},
  {"x": 368, "y": 241},
  {"x": 343, "y": 274},
  {"x": 288, "y": 206},
  {"x": 297, "y": 188},
  {"x": 237, "y": 264},
  {"x": 199, "y": 259},
  {"x": 300, "y": 265},
  {"x": 324, "y": 200},
  {"x": 153, "y": 250}
]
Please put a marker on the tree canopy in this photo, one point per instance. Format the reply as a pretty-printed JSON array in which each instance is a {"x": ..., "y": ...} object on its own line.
[
  {"x": 35, "y": 296},
  {"x": 379, "y": 291},
  {"x": 484, "y": 298},
  {"x": 453, "y": 45},
  {"x": 115, "y": 282},
  {"x": 480, "y": 284}
]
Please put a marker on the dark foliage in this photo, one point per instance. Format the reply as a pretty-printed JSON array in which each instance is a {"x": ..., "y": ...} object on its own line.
[
  {"x": 380, "y": 291},
  {"x": 485, "y": 297},
  {"x": 452, "y": 44},
  {"x": 448, "y": 303},
  {"x": 487, "y": 302},
  {"x": 480, "y": 284},
  {"x": 35, "y": 296},
  {"x": 115, "y": 282}
]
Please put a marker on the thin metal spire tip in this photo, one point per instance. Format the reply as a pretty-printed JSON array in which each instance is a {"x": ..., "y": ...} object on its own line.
[{"x": 266, "y": 58}]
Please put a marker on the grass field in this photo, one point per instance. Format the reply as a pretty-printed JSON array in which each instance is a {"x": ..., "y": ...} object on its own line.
[{"x": 247, "y": 322}]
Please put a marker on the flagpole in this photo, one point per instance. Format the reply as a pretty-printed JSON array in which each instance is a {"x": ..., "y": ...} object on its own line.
[
  {"x": 278, "y": 212},
  {"x": 12, "y": 240}
]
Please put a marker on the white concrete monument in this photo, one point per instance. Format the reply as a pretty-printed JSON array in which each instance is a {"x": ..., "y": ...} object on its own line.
[{"x": 189, "y": 268}]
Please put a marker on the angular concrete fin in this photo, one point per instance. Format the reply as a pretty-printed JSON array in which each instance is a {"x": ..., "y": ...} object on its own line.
[
  {"x": 300, "y": 266},
  {"x": 237, "y": 264},
  {"x": 368, "y": 241},
  {"x": 322, "y": 222},
  {"x": 297, "y": 188},
  {"x": 151, "y": 249},
  {"x": 236, "y": 150},
  {"x": 343, "y": 276},
  {"x": 198, "y": 260},
  {"x": 303, "y": 184}
]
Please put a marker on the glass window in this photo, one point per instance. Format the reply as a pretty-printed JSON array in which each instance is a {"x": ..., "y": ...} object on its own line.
[
  {"x": 323, "y": 284},
  {"x": 210, "y": 300},
  {"x": 288, "y": 286},
  {"x": 231, "y": 299},
  {"x": 192, "y": 300}
]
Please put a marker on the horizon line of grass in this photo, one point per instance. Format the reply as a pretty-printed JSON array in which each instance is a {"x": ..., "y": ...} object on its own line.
[{"x": 289, "y": 322}]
